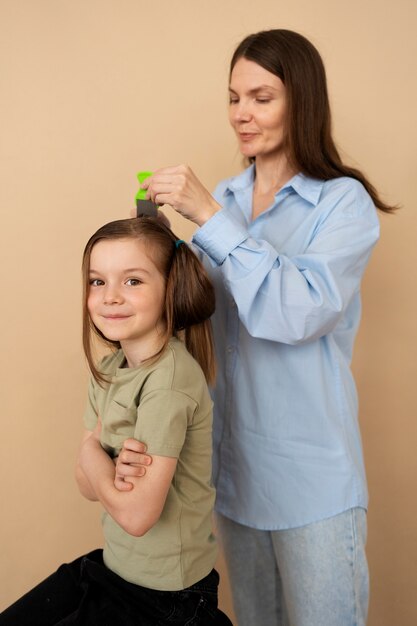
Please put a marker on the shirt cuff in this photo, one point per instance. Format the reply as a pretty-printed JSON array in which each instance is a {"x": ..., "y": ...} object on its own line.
[{"x": 220, "y": 235}]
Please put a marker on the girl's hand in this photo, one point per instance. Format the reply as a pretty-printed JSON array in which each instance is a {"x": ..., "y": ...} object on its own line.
[
  {"x": 131, "y": 463},
  {"x": 180, "y": 188}
]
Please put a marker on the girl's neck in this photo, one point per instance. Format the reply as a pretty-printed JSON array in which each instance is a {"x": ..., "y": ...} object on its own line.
[{"x": 139, "y": 351}]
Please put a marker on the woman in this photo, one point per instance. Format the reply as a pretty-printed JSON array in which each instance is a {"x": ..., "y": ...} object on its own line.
[{"x": 286, "y": 243}]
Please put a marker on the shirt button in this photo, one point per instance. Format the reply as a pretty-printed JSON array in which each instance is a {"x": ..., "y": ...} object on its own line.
[{"x": 230, "y": 349}]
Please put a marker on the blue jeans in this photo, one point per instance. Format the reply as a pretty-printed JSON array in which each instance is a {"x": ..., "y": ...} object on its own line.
[
  {"x": 86, "y": 593},
  {"x": 315, "y": 575}
]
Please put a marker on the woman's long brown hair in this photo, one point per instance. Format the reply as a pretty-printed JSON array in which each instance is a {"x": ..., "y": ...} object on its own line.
[
  {"x": 189, "y": 296},
  {"x": 310, "y": 146}
]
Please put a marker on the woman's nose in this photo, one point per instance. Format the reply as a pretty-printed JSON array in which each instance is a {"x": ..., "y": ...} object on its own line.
[{"x": 242, "y": 111}]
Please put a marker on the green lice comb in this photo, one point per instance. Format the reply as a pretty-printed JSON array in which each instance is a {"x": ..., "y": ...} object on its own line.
[{"x": 144, "y": 207}]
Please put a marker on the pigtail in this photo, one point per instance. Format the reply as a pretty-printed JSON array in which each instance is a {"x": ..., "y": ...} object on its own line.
[
  {"x": 190, "y": 302},
  {"x": 199, "y": 342}
]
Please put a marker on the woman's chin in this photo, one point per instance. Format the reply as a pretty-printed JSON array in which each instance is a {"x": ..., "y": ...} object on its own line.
[{"x": 247, "y": 152}]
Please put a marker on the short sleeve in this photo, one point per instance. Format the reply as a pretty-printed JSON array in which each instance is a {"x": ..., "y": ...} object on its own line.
[
  {"x": 162, "y": 421},
  {"x": 91, "y": 414}
]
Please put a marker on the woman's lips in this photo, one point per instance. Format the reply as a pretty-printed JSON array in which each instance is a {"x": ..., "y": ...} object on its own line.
[{"x": 247, "y": 136}]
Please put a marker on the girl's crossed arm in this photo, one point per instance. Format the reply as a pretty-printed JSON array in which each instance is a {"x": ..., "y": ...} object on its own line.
[
  {"x": 83, "y": 483},
  {"x": 136, "y": 509}
]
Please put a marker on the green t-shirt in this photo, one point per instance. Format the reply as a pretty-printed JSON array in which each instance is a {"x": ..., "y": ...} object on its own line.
[{"x": 167, "y": 406}]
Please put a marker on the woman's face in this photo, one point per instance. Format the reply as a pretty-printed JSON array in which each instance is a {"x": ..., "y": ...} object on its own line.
[{"x": 257, "y": 110}]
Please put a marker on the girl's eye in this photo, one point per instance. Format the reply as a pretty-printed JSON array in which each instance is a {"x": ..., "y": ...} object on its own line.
[
  {"x": 233, "y": 100},
  {"x": 96, "y": 282},
  {"x": 133, "y": 282},
  {"x": 263, "y": 100}
]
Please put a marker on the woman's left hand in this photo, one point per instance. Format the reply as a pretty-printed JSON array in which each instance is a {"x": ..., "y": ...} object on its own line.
[{"x": 180, "y": 188}]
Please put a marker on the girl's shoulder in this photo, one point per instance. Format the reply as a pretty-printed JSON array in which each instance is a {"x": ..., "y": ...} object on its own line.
[
  {"x": 111, "y": 362},
  {"x": 177, "y": 370},
  {"x": 178, "y": 362}
]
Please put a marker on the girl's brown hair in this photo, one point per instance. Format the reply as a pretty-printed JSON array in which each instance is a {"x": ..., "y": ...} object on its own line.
[
  {"x": 310, "y": 145},
  {"x": 189, "y": 296}
]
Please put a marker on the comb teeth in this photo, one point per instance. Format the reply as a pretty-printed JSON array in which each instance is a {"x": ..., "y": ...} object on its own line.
[{"x": 146, "y": 208}]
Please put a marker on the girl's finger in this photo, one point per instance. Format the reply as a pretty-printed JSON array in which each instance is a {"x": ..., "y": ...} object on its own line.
[
  {"x": 122, "y": 485},
  {"x": 134, "y": 445},
  {"x": 127, "y": 457}
]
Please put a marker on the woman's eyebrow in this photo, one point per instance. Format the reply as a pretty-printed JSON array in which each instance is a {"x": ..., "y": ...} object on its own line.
[{"x": 256, "y": 89}]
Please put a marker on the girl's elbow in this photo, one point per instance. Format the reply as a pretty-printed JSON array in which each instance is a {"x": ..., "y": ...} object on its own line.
[
  {"x": 135, "y": 530},
  {"x": 84, "y": 486},
  {"x": 138, "y": 525}
]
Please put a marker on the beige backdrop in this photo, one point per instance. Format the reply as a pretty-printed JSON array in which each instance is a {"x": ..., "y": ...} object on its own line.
[{"x": 93, "y": 91}]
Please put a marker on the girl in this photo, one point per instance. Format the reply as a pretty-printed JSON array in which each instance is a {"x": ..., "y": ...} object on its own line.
[
  {"x": 146, "y": 296},
  {"x": 286, "y": 243}
]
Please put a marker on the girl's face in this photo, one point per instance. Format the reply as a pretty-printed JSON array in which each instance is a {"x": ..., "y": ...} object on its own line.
[
  {"x": 126, "y": 294},
  {"x": 257, "y": 109}
]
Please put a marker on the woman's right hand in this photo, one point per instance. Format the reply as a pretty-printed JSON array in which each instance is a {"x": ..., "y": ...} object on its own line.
[
  {"x": 131, "y": 463},
  {"x": 180, "y": 188}
]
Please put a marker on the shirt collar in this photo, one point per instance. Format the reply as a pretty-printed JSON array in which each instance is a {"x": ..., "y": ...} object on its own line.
[
  {"x": 243, "y": 180},
  {"x": 308, "y": 188}
]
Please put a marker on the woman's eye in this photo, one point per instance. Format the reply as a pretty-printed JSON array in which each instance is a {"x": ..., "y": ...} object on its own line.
[
  {"x": 263, "y": 100},
  {"x": 133, "y": 282},
  {"x": 96, "y": 282}
]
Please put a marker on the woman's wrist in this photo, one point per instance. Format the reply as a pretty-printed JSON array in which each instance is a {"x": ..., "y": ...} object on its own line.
[{"x": 212, "y": 208}]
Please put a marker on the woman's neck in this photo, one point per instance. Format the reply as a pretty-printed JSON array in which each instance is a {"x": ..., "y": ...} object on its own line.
[{"x": 270, "y": 176}]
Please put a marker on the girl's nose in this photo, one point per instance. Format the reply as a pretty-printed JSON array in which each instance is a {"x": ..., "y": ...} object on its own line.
[{"x": 112, "y": 295}]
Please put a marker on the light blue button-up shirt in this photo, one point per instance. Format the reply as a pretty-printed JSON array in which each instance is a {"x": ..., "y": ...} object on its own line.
[{"x": 287, "y": 447}]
